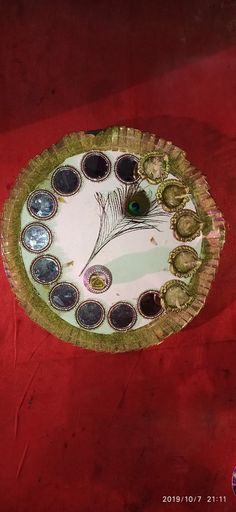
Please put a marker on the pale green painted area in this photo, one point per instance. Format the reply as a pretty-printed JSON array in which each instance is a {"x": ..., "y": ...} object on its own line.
[
  {"x": 138, "y": 264},
  {"x": 141, "y": 264}
]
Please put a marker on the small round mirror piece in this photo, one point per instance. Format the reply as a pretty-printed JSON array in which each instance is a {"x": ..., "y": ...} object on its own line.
[
  {"x": 122, "y": 316},
  {"x": 96, "y": 166},
  {"x": 64, "y": 296},
  {"x": 126, "y": 168},
  {"x": 42, "y": 204},
  {"x": 149, "y": 304},
  {"x": 45, "y": 269},
  {"x": 66, "y": 180},
  {"x": 90, "y": 314},
  {"x": 36, "y": 237}
]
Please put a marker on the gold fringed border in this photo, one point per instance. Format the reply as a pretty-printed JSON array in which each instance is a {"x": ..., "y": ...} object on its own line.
[{"x": 132, "y": 141}]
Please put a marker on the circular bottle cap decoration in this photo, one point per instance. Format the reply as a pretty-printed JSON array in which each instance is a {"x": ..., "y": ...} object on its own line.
[{"x": 117, "y": 213}]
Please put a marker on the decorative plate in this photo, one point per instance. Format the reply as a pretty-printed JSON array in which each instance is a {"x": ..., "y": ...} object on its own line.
[{"x": 111, "y": 240}]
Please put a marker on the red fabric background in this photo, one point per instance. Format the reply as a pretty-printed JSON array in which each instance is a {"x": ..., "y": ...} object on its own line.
[{"x": 88, "y": 432}]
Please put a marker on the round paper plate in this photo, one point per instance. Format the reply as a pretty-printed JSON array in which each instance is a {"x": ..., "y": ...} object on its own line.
[{"x": 111, "y": 240}]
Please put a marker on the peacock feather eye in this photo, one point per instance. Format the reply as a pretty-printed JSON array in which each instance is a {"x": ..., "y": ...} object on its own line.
[
  {"x": 134, "y": 208},
  {"x": 138, "y": 204},
  {"x": 120, "y": 216}
]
